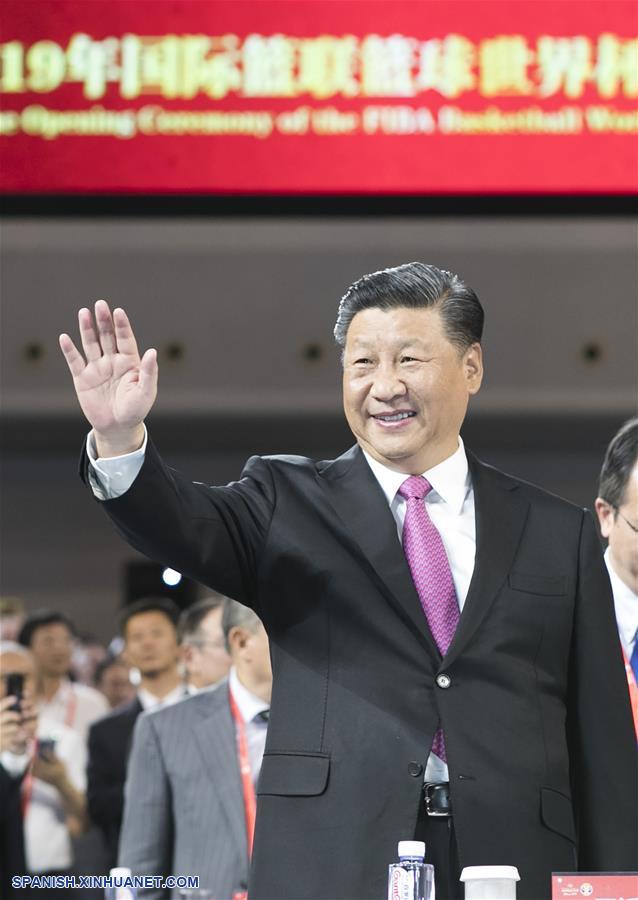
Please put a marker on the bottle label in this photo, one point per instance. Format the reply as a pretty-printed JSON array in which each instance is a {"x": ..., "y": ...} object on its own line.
[{"x": 402, "y": 884}]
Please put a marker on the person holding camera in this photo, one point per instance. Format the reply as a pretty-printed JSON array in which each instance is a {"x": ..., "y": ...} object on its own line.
[
  {"x": 17, "y": 728},
  {"x": 43, "y": 776}
]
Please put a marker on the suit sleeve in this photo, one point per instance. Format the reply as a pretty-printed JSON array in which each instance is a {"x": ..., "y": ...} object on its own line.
[
  {"x": 603, "y": 757},
  {"x": 146, "y": 839},
  {"x": 12, "y": 860},
  {"x": 213, "y": 535}
]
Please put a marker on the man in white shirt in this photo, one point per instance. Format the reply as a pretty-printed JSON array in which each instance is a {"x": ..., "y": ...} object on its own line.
[
  {"x": 49, "y": 636},
  {"x": 53, "y": 780},
  {"x": 617, "y": 510},
  {"x": 190, "y": 789},
  {"x": 384, "y": 670},
  {"x": 149, "y": 629}
]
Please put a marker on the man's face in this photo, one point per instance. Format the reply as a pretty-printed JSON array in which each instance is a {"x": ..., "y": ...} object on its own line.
[
  {"x": 623, "y": 540},
  {"x": 115, "y": 684},
  {"x": 406, "y": 386},
  {"x": 207, "y": 661},
  {"x": 19, "y": 663},
  {"x": 52, "y": 646},
  {"x": 250, "y": 654},
  {"x": 150, "y": 641}
]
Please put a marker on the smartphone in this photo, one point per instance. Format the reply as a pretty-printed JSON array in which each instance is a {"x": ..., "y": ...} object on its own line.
[
  {"x": 46, "y": 747},
  {"x": 15, "y": 688}
]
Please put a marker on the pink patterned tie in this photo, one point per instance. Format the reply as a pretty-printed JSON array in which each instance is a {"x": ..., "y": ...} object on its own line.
[{"x": 431, "y": 574}]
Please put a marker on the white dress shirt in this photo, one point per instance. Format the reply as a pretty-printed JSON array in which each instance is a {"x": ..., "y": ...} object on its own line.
[
  {"x": 47, "y": 841},
  {"x": 152, "y": 701},
  {"x": 76, "y": 706},
  {"x": 626, "y": 604},
  {"x": 249, "y": 706},
  {"x": 450, "y": 505}
]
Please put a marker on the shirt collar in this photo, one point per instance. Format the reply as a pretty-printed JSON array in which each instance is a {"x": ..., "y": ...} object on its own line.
[
  {"x": 248, "y": 704},
  {"x": 150, "y": 701},
  {"x": 450, "y": 478},
  {"x": 626, "y": 603},
  {"x": 62, "y": 695}
]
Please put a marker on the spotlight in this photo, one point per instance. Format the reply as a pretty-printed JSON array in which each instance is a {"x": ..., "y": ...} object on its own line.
[{"x": 171, "y": 578}]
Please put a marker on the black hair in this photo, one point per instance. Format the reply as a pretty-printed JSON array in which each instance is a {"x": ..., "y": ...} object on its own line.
[
  {"x": 620, "y": 458},
  {"x": 416, "y": 285},
  {"x": 105, "y": 664},
  {"x": 39, "y": 619},
  {"x": 149, "y": 604}
]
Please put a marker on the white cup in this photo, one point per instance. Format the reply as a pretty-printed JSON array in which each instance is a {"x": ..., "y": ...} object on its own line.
[{"x": 490, "y": 882}]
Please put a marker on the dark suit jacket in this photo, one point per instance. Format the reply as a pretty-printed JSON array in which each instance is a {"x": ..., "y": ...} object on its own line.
[
  {"x": 11, "y": 836},
  {"x": 538, "y": 728},
  {"x": 184, "y": 809},
  {"x": 109, "y": 747}
]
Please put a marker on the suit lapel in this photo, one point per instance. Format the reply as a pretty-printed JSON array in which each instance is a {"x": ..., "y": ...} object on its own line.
[
  {"x": 215, "y": 739},
  {"x": 501, "y": 512},
  {"x": 358, "y": 500},
  {"x": 500, "y": 509}
]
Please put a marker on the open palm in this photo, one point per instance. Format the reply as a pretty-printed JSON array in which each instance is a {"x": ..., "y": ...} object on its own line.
[{"x": 114, "y": 386}]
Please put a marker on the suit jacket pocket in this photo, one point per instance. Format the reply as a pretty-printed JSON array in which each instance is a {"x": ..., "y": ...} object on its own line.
[
  {"x": 294, "y": 774},
  {"x": 557, "y": 814},
  {"x": 547, "y": 585}
]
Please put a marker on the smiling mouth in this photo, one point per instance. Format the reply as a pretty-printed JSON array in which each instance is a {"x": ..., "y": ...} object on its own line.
[{"x": 394, "y": 417}]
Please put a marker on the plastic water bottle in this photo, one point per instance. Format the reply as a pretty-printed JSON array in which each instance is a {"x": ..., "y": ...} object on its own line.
[
  {"x": 410, "y": 878},
  {"x": 121, "y": 892}
]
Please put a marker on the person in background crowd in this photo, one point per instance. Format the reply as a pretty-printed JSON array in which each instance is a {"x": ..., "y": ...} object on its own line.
[
  {"x": 17, "y": 730},
  {"x": 49, "y": 636},
  {"x": 87, "y": 654},
  {"x": 188, "y": 808},
  {"x": 204, "y": 653},
  {"x": 11, "y": 617},
  {"x": 149, "y": 629},
  {"x": 112, "y": 678},
  {"x": 53, "y": 782},
  {"x": 617, "y": 511}
]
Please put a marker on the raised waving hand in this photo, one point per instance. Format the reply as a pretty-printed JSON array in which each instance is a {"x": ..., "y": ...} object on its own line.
[{"x": 115, "y": 387}]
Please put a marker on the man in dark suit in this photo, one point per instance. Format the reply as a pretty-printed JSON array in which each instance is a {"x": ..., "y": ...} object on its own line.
[
  {"x": 502, "y": 689},
  {"x": 185, "y": 795},
  {"x": 149, "y": 629}
]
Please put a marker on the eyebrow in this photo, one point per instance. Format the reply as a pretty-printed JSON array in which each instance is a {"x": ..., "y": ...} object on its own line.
[{"x": 415, "y": 341}]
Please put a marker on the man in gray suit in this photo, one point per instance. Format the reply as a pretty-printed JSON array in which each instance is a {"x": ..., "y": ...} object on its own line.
[{"x": 187, "y": 808}]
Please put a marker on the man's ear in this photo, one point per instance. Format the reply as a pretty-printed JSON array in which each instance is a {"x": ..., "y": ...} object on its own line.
[
  {"x": 606, "y": 515},
  {"x": 237, "y": 638},
  {"x": 473, "y": 367}
]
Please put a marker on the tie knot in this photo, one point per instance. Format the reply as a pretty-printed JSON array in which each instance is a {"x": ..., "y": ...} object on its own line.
[
  {"x": 415, "y": 487},
  {"x": 262, "y": 716}
]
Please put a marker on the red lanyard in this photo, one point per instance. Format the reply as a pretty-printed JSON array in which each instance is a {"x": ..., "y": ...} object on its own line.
[
  {"x": 250, "y": 802},
  {"x": 633, "y": 690},
  {"x": 27, "y": 781},
  {"x": 71, "y": 707}
]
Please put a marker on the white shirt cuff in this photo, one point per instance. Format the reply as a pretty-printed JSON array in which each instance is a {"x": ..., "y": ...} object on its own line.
[{"x": 111, "y": 477}]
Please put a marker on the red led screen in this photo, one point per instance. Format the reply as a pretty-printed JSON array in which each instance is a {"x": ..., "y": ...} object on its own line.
[{"x": 319, "y": 96}]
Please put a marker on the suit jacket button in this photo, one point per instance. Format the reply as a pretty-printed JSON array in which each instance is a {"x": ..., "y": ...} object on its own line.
[
  {"x": 415, "y": 769},
  {"x": 443, "y": 681}
]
